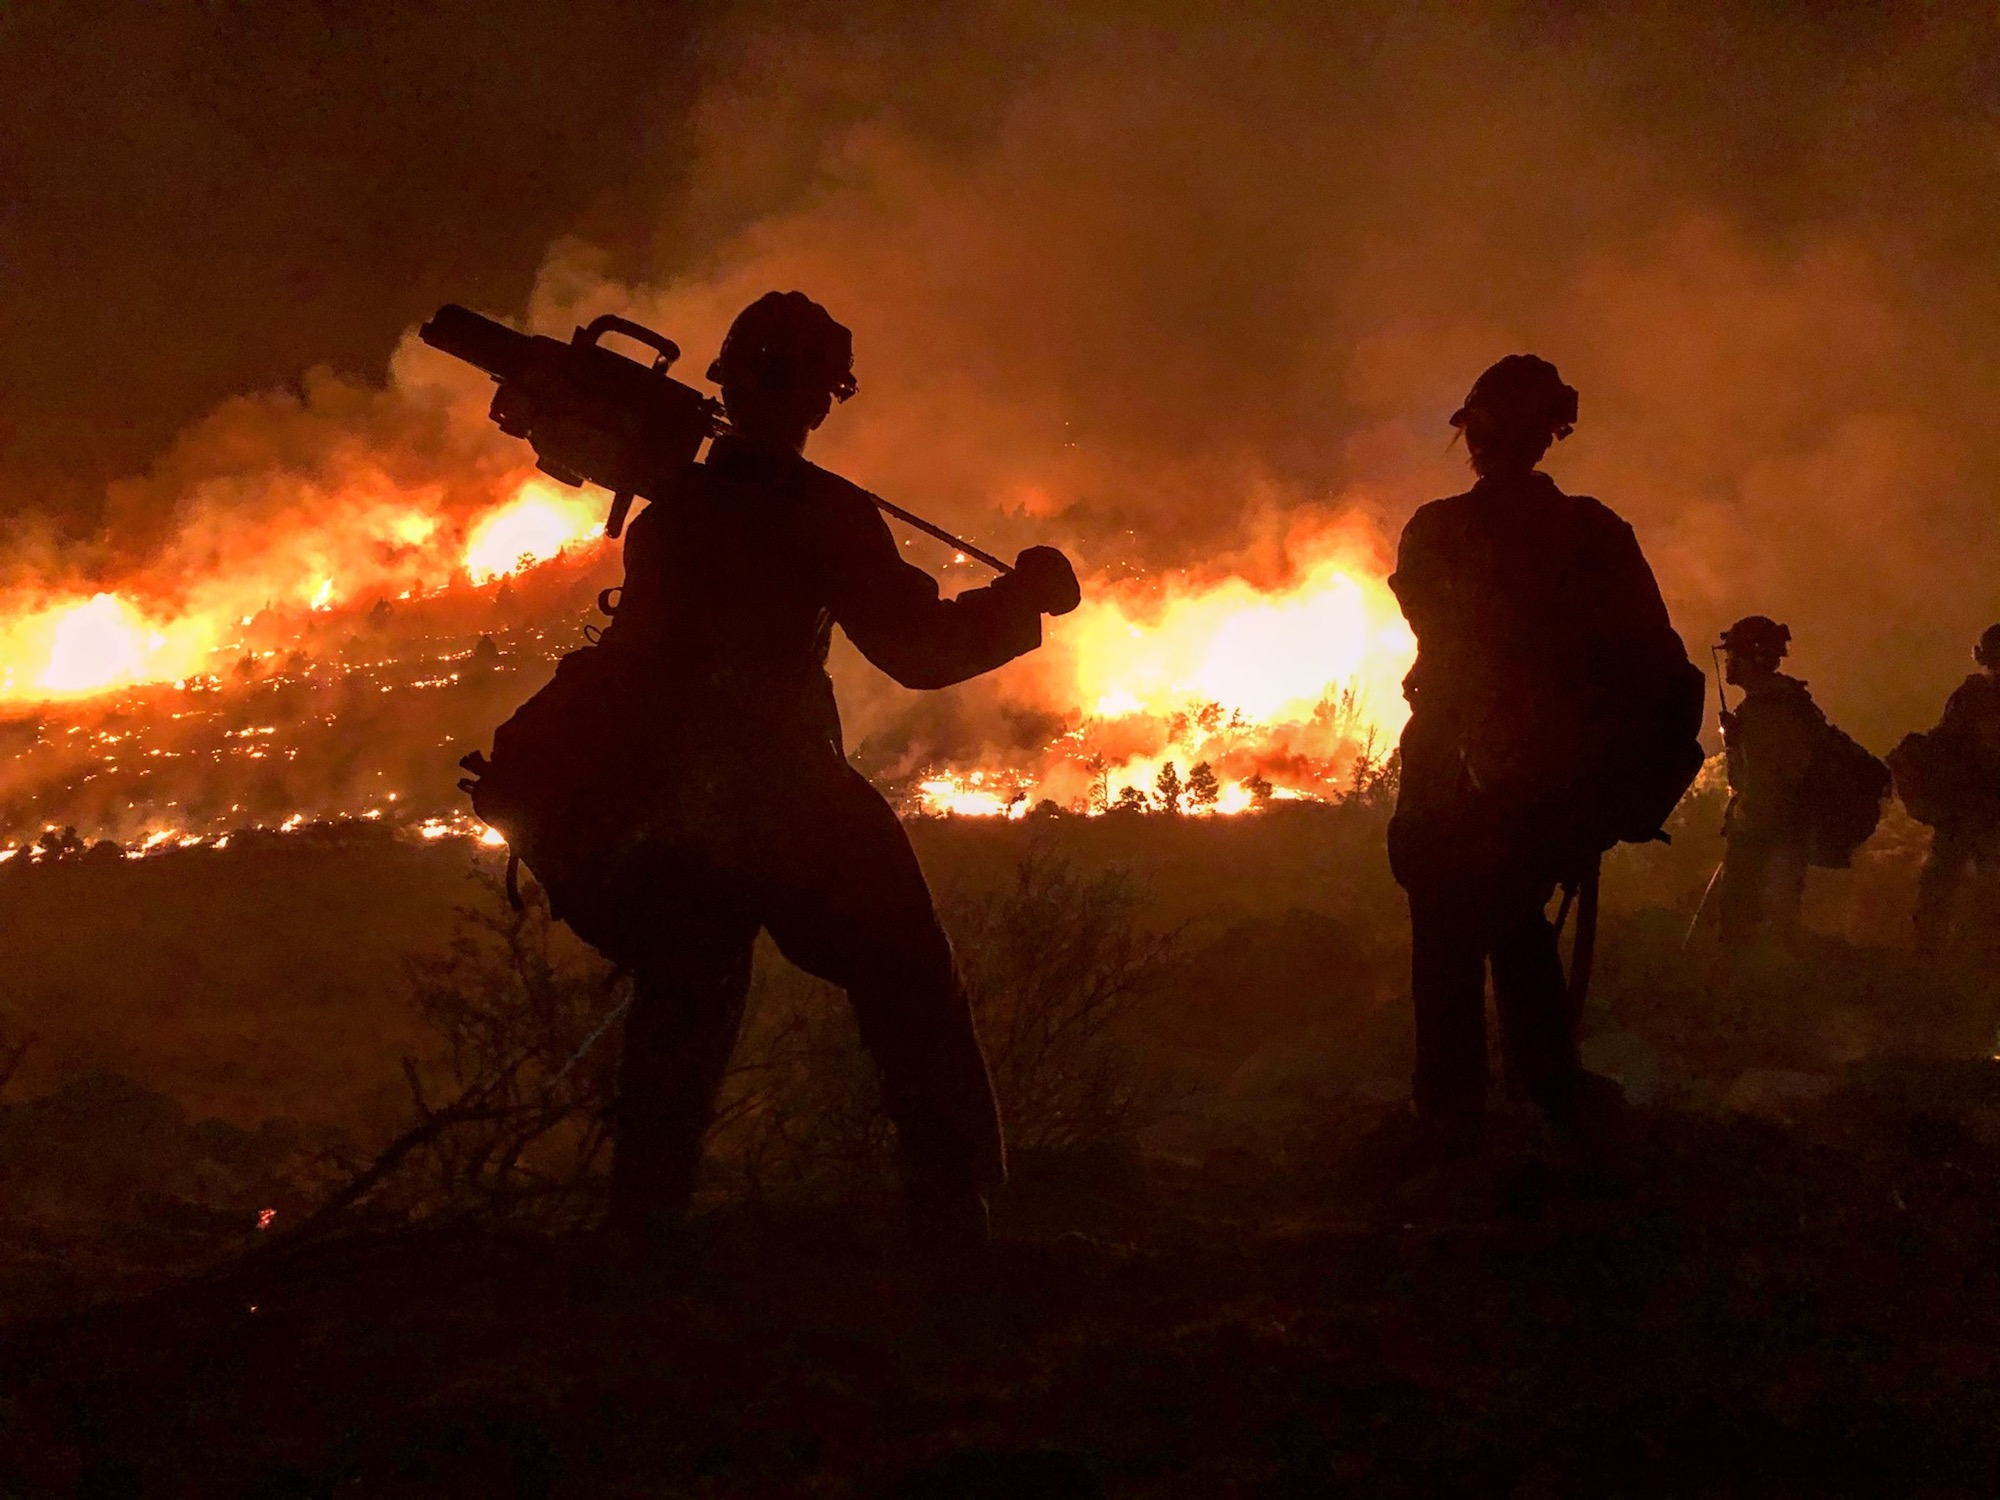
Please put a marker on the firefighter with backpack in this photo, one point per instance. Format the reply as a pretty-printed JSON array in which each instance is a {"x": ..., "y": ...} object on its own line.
[
  {"x": 1801, "y": 792},
  {"x": 1949, "y": 777},
  {"x": 1553, "y": 713}
]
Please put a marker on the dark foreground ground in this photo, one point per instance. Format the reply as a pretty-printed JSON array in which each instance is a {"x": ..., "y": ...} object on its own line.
[
  {"x": 1725, "y": 1305},
  {"x": 1782, "y": 1277}
]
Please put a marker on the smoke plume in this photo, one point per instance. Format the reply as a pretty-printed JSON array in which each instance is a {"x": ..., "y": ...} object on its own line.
[{"x": 1192, "y": 294}]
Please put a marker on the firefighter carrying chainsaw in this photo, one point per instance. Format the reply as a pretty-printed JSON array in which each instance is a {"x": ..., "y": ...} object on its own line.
[
  {"x": 1553, "y": 713},
  {"x": 681, "y": 785}
]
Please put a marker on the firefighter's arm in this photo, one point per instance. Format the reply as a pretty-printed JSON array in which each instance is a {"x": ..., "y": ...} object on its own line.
[
  {"x": 895, "y": 616},
  {"x": 1793, "y": 737},
  {"x": 1642, "y": 633},
  {"x": 1961, "y": 712},
  {"x": 1777, "y": 741},
  {"x": 1419, "y": 582},
  {"x": 1422, "y": 586}
]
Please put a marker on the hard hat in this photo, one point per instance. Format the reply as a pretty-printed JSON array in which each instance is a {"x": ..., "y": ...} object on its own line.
[
  {"x": 787, "y": 339},
  {"x": 1522, "y": 392},
  {"x": 1757, "y": 635}
]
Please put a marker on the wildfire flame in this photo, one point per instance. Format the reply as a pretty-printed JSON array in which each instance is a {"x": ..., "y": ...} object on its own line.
[
  {"x": 542, "y": 523},
  {"x": 1207, "y": 695},
  {"x": 968, "y": 796},
  {"x": 1274, "y": 691},
  {"x": 1270, "y": 657},
  {"x": 95, "y": 642},
  {"x": 90, "y": 644}
]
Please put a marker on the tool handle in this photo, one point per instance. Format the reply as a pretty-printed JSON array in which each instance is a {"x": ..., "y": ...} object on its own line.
[
  {"x": 664, "y": 347},
  {"x": 909, "y": 519}
]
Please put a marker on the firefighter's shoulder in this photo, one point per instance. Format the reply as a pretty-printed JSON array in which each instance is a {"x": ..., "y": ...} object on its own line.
[
  {"x": 1435, "y": 520},
  {"x": 841, "y": 502},
  {"x": 1588, "y": 510}
]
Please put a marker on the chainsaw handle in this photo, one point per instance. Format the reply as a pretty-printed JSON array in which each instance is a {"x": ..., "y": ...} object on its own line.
[{"x": 587, "y": 336}]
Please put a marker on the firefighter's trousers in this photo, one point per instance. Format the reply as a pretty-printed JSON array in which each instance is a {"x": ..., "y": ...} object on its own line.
[
  {"x": 1962, "y": 853},
  {"x": 1464, "y": 918},
  {"x": 838, "y": 887},
  {"x": 1762, "y": 883}
]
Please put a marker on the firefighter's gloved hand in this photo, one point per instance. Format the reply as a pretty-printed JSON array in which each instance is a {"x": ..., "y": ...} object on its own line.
[{"x": 1043, "y": 577}]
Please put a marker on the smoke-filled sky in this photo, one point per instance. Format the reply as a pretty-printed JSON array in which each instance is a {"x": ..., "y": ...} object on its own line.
[{"x": 1162, "y": 284}]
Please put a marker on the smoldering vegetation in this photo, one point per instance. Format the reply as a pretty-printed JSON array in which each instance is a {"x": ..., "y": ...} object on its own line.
[{"x": 1212, "y": 1271}]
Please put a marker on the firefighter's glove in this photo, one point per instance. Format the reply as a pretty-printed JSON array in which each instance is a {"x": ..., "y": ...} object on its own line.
[{"x": 1043, "y": 578}]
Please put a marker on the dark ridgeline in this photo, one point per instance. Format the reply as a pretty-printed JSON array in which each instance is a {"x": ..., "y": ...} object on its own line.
[
  {"x": 1949, "y": 777},
  {"x": 681, "y": 785},
  {"x": 1553, "y": 714}
]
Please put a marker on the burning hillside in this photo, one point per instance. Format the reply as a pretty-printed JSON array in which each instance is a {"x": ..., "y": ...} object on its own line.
[{"x": 343, "y": 675}]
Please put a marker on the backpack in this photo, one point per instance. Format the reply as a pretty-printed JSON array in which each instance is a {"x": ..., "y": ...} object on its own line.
[
  {"x": 1660, "y": 755},
  {"x": 553, "y": 785},
  {"x": 1845, "y": 788},
  {"x": 1925, "y": 773}
]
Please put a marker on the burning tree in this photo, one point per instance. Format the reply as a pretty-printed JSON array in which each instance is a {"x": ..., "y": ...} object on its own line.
[{"x": 1203, "y": 789}]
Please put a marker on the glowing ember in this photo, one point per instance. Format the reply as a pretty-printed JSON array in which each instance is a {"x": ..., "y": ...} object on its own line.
[{"x": 541, "y": 523}]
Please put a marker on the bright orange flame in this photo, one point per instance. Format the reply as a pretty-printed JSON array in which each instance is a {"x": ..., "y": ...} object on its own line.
[
  {"x": 970, "y": 797},
  {"x": 1270, "y": 656},
  {"x": 97, "y": 644},
  {"x": 541, "y": 522},
  {"x": 1289, "y": 683},
  {"x": 93, "y": 645}
]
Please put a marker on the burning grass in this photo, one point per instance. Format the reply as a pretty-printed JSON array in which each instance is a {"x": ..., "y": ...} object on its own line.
[{"x": 347, "y": 689}]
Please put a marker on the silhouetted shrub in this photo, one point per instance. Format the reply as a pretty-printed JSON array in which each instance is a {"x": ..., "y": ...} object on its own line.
[
  {"x": 510, "y": 1118},
  {"x": 1054, "y": 961}
]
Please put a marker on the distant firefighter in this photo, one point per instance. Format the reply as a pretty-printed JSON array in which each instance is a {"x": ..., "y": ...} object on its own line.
[
  {"x": 1801, "y": 792},
  {"x": 1770, "y": 737},
  {"x": 1553, "y": 713},
  {"x": 694, "y": 789},
  {"x": 1949, "y": 777}
]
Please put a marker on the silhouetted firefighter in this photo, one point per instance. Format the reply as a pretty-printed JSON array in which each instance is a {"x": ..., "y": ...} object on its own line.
[
  {"x": 1801, "y": 792},
  {"x": 1949, "y": 777},
  {"x": 1553, "y": 713},
  {"x": 682, "y": 784},
  {"x": 1769, "y": 736}
]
